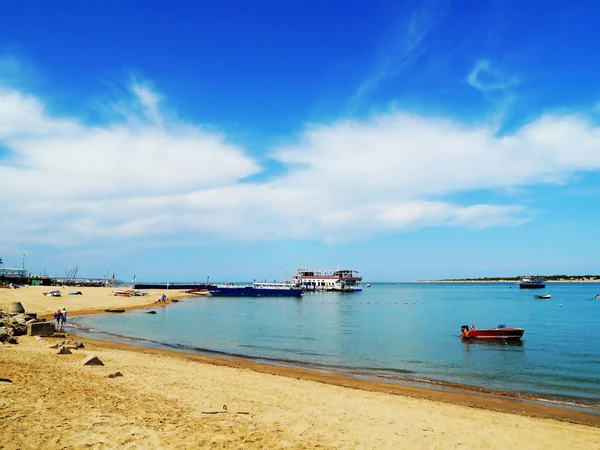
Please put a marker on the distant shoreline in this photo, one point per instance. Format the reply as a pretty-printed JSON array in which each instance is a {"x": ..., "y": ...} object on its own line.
[{"x": 475, "y": 280}]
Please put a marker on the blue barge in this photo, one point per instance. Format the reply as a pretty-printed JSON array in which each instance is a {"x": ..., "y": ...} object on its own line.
[{"x": 255, "y": 290}]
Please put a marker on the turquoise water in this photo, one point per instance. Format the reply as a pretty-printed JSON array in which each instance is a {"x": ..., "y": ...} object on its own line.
[{"x": 403, "y": 331}]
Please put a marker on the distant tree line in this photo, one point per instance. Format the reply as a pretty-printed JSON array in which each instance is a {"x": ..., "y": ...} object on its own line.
[{"x": 546, "y": 277}]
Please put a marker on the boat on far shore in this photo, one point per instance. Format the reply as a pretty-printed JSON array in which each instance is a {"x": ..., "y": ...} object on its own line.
[
  {"x": 543, "y": 297},
  {"x": 500, "y": 332},
  {"x": 530, "y": 282}
]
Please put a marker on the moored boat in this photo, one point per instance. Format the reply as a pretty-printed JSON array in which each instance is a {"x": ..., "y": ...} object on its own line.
[
  {"x": 345, "y": 280},
  {"x": 500, "y": 332},
  {"x": 255, "y": 290},
  {"x": 530, "y": 282},
  {"x": 543, "y": 297}
]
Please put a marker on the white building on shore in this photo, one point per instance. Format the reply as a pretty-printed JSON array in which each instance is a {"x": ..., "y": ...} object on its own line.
[{"x": 13, "y": 272}]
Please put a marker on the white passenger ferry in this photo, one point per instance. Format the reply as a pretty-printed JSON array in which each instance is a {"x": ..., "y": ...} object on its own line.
[{"x": 329, "y": 280}]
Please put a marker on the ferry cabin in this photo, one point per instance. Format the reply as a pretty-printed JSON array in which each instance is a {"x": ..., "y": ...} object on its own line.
[{"x": 325, "y": 280}]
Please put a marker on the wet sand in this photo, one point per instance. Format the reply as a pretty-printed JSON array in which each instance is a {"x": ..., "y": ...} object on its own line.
[{"x": 168, "y": 399}]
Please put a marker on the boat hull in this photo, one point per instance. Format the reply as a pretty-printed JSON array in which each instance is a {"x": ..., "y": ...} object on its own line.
[
  {"x": 173, "y": 286},
  {"x": 494, "y": 333},
  {"x": 251, "y": 291},
  {"x": 531, "y": 286}
]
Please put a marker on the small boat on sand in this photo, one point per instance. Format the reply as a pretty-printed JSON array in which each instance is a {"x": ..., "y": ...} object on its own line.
[
  {"x": 543, "y": 297},
  {"x": 500, "y": 332},
  {"x": 121, "y": 293},
  {"x": 52, "y": 294}
]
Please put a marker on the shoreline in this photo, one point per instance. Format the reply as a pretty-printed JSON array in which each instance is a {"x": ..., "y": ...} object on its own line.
[
  {"x": 498, "y": 281},
  {"x": 427, "y": 384},
  {"x": 446, "y": 392}
]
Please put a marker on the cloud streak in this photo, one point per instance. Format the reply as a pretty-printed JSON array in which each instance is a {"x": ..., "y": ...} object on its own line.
[
  {"x": 407, "y": 45},
  {"x": 485, "y": 78}
]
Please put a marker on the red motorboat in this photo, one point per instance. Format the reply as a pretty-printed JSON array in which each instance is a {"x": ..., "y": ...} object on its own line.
[{"x": 500, "y": 332}]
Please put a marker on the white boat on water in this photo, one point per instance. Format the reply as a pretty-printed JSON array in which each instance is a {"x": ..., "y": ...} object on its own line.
[{"x": 329, "y": 280}]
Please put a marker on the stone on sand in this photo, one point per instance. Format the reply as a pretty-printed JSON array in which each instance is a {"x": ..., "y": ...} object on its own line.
[{"x": 93, "y": 361}]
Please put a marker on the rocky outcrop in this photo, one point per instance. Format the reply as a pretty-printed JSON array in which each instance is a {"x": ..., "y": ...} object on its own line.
[{"x": 17, "y": 323}]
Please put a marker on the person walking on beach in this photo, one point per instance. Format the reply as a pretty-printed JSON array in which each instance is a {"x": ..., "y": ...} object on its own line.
[
  {"x": 63, "y": 314},
  {"x": 57, "y": 317}
]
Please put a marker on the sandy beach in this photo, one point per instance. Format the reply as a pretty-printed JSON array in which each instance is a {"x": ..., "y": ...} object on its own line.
[{"x": 174, "y": 400}]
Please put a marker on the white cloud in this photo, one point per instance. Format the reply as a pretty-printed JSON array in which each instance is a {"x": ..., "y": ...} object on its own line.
[
  {"x": 484, "y": 77},
  {"x": 68, "y": 183},
  {"x": 66, "y": 159}
]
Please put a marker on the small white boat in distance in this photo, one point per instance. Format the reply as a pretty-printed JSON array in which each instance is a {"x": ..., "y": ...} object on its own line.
[
  {"x": 368, "y": 285},
  {"x": 543, "y": 297}
]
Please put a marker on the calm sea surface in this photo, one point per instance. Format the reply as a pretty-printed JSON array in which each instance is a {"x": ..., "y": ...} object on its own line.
[{"x": 405, "y": 331}]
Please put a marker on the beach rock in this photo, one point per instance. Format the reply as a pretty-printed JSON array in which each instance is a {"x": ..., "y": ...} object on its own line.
[
  {"x": 115, "y": 310},
  {"x": 2, "y": 323},
  {"x": 5, "y": 334},
  {"x": 16, "y": 308},
  {"x": 151, "y": 312},
  {"x": 12, "y": 340},
  {"x": 40, "y": 329},
  {"x": 20, "y": 329},
  {"x": 93, "y": 361},
  {"x": 58, "y": 335},
  {"x": 114, "y": 375},
  {"x": 64, "y": 351},
  {"x": 18, "y": 318},
  {"x": 55, "y": 345},
  {"x": 5, "y": 380},
  {"x": 74, "y": 344},
  {"x": 175, "y": 300}
]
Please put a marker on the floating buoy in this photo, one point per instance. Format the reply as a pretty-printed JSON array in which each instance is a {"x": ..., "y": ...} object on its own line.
[{"x": 560, "y": 305}]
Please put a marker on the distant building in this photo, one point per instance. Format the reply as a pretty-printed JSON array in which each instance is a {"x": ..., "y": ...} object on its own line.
[{"x": 16, "y": 272}]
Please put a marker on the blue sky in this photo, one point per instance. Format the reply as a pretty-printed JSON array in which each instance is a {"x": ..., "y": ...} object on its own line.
[{"x": 240, "y": 140}]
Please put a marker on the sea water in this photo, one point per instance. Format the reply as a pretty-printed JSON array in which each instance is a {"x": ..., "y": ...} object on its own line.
[{"x": 403, "y": 332}]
